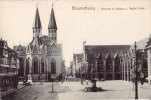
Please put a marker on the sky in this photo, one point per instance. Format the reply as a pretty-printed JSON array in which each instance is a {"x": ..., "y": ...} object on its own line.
[{"x": 113, "y": 22}]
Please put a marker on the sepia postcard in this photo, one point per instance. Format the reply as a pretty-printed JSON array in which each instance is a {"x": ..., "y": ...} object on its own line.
[{"x": 75, "y": 49}]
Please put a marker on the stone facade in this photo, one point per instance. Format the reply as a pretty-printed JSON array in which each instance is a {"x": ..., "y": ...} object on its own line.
[
  {"x": 42, "y": 58},
  {"x": 112, "y": 62},
  {"x": 77, "y": 64},
  {"x": 106, "y": 60}
]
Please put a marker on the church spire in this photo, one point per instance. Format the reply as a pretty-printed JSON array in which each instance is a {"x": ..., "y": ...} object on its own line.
[
  {"x": 37, "y": 24},
  {"x": 52, "y": 21},
  {"x": 52, "y": 27}
]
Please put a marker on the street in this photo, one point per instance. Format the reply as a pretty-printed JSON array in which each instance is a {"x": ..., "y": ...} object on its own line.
[
  {"x": 75, "y": 91},
  {"x": 36, "y": 92}
]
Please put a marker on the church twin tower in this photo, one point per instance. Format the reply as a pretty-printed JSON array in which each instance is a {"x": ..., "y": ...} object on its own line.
[
  {"x": 42, "y": 57},
  {"x": 52, "y": 27}
]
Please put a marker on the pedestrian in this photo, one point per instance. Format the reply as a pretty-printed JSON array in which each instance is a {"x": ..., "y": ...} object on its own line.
[
  {"x": 103, "y": 79},
  {"x": 142, "y": 78},
  {"x": 62, "y": 80},
  {"x": 82, "y": 81},
  {"x": 87, "y": 82}
]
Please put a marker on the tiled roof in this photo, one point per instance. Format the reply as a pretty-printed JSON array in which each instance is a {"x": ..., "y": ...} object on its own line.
[
  {"x": 45, "y": 40},
  {"x": 13, "y": 52},
  {"x": 104, "y": 50}
]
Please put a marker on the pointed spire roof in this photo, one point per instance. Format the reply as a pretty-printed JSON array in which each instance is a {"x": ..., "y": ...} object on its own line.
[
  {"x": 52, "y": 21},
  {"x": 37, "y": 22}
]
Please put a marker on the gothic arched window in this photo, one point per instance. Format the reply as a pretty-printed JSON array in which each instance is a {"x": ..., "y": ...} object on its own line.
[
  {"x": 99, "y": 63},
  {"x": 53, "y": 66},
  {"x": 117, "y": 63},
  {"x": 27, "y": 66},
  {"x": 35, "y": 64},
  {"x": 42, "y": 66},
  {"x": 21, "y": 67},
  {"x": 108, "y": 63}
]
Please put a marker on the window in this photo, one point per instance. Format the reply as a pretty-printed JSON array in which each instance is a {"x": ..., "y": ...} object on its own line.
[
  {"x": 21, "y": 67},
  {"x": 99, "y": 64},
  {"x": 35, "y": 64},
  {"x": 108, "y": 63},
  {"x": 42, "y": 66},
  {"x": 27, "y": 67},
  {"x": 117, "y": 63},
  {"x": 53, "y": 67}
]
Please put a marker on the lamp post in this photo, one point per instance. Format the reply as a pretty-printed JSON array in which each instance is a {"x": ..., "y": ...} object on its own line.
[
  {"x": 52, "y": 77},
  {"x": 81, "y": 72},
  {"x": 136, "y": 63},
  {"x": 52, "y": 84}
]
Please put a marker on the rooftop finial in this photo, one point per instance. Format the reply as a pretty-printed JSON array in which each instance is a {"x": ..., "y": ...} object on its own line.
[
  {"x": 37, "y": 5},
  {"x": 52, "y": 5}
]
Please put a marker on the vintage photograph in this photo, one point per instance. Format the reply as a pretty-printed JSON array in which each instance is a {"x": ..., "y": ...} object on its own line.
[{"x": 75, "y": 49}]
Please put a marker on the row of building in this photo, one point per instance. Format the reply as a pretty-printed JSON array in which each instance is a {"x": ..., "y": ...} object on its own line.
[
  {"x": 41, "y": 59},
  {"x": 113, "y": 62},
  {"x": 9, "y": 65}
]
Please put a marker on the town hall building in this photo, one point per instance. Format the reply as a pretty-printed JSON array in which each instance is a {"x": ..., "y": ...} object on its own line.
[{"x": 42, "y": 58}]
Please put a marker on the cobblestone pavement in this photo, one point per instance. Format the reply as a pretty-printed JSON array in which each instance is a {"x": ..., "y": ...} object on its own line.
[
  {"x": 112, "y": 90},
  {"x": 10, "y": 90},
  {"x": 37, "y": 92},
  {"x": 75, "y": 91}
]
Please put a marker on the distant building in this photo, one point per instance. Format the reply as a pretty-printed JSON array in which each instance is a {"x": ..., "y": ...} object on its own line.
[
  {"x": 42, "y": 58},
  {"x": 141, "y": 53},
  {"x": 112, "y": 62},
  {"x": 106, "y": 59},
  {"x": 77, "y": 64},
  {"x": 71, "y": 67},
  {"x": 9, "y": 65}
]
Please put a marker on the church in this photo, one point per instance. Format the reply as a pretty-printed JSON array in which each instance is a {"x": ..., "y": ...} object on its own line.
[{"x": 42, "y": 58}]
